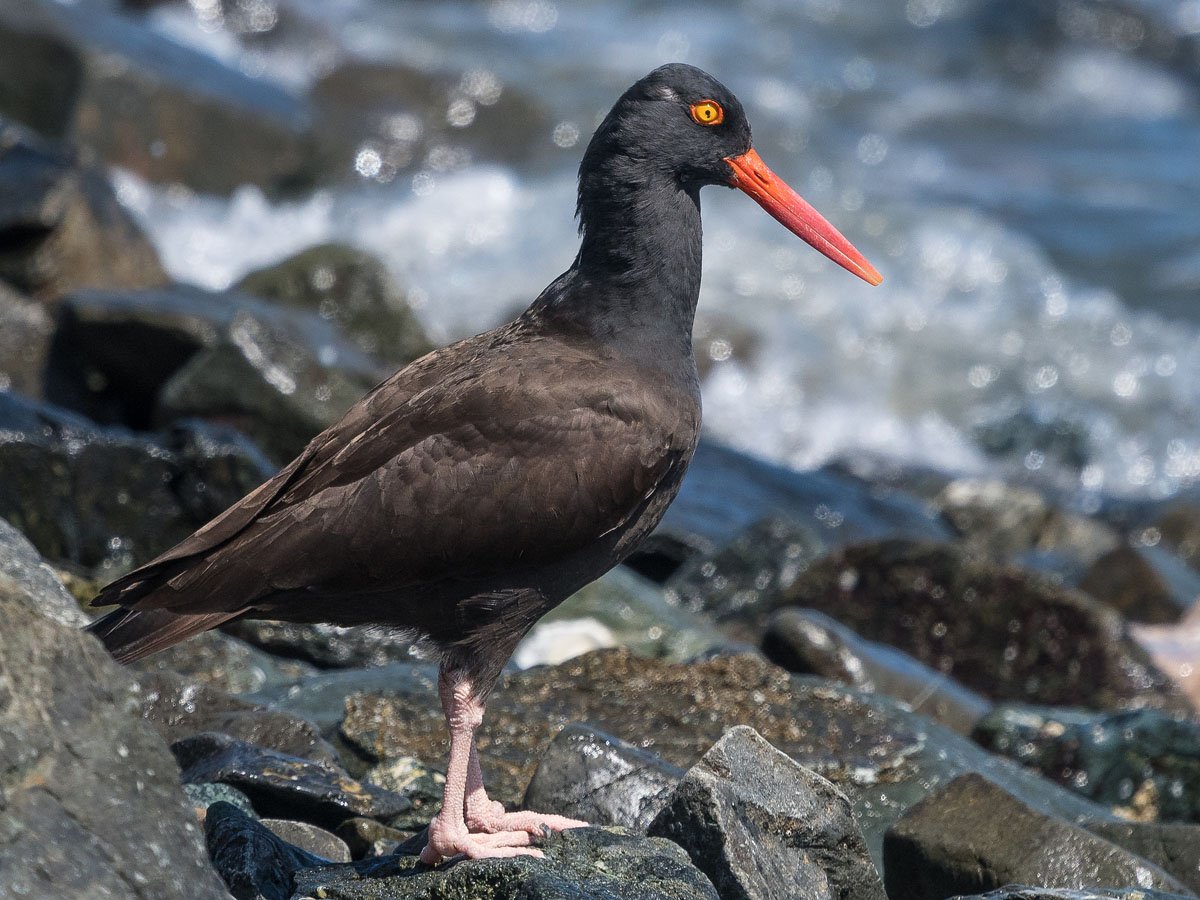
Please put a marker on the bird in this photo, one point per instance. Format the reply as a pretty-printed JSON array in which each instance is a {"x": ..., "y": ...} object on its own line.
[{"x": 482, "y": 484}]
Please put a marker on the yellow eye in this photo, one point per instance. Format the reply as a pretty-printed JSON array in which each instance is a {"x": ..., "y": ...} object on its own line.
[{"x": 708, "y": 112}]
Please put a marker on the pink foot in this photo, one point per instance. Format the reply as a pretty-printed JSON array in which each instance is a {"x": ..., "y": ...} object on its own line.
[
  {"x": 490, "y": 818},
  {"x": 447, "y": 840}
]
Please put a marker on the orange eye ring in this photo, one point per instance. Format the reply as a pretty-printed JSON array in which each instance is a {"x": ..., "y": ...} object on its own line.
[{"x": 707, "y": 112}]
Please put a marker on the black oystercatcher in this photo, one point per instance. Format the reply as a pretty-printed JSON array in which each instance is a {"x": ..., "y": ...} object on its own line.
[{"x": 481, "y": 485}]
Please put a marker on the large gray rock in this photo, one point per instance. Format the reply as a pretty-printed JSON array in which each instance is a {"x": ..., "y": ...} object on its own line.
[
  {"x": 586, "y": 774},
  {"x": 147, "y": 103},
  {"x": 61, "y": 226},
  {"x": 33, "y": 582},
  {"x": 582, "y": 864},
  {"x": 973, "y": 836},
  {"x": 760, "y": 826},
  {"x": 1172, "y": 845},
  {"x": 91, "y": 805},
  {"x": 1025, "y": 892},
  {"x": 255, "y": 862},
  {"x": 25, "y": 332}
]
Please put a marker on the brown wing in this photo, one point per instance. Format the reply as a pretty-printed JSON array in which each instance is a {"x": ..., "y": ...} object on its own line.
[{"x": 476, "y": 470}]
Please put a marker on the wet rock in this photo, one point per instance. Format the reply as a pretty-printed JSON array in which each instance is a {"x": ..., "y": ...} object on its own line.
[
  {"x": 883, "y": 757},
  {"x": 102, "y": 498},
  {"x": 422, "y": 785},
  {"x": 25, "y": 332},
  {"x": 403, "y": 119},
  {"x": 205, "y": 794},
  {"x": 61, "y": 226},
  {"x": 147, "y": 103},
  {"x": 621, "y": 609},
  {"x": 222, "y": 662},
  {"x": 998, "y": 630},
  {"x": 584, "y": 863},
  {"x": 92, "y": 805},
  {"x": 761, "y": 826},
  {"x": 278, "y": 375},
  {"x": 310, "y": 839},
  {"x": 1144, "y": 764},
  {"x": 182, "y": 708},
  {"x": 972, "y": 836},
  {"x": 1173, "y": 846},
  {"x": 1003, "y": 521},
  {"x": 810, "y": 642},
  {"x": 748, "y": 574},
  {"x": 727, "y": 491},
  {"x": 327, "y": 646},
  {"x": 1147, "y": 584},
  {"x": 589, "y": 775},
  {"x": 33, "y": 583},
  {"x": 366, "y": 837},
  {"x": 253, "y": 861},
  {"x": 351, "y": 289},
  {"x": 282, "y": 785},
  {"x": 1025, "y": 892}
]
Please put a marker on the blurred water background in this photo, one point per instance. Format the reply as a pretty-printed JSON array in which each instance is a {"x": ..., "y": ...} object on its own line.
[{"x": 1025, "y": 174}]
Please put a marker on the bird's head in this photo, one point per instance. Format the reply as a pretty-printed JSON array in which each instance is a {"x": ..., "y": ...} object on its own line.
[{"x": 683, "y": 123}]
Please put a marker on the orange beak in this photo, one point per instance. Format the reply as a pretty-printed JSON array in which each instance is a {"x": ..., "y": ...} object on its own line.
[{"x": 750, "y": 174}]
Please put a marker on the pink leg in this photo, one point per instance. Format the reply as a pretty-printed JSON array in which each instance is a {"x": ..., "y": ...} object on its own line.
[
  {"x": 489, "y": 817},
  {"x": 448, "y": 832}
]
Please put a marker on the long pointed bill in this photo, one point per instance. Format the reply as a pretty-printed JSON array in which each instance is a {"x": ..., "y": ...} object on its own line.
[{"x": 750, "y": 174}]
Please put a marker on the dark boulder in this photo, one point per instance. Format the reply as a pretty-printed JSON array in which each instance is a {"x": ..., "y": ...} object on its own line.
[
  {"x": 761, "y": 826},
  {"x": 255, "y": 863},
  {"x": 972, "y": 836},
  {"x": 61, "y": 226}
]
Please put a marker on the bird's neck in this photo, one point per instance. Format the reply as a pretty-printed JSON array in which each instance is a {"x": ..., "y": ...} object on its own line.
[{"x": 636, "y": 280}]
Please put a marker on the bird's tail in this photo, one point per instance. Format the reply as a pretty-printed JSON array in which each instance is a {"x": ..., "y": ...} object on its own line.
[{"x": 131, "y": 634}]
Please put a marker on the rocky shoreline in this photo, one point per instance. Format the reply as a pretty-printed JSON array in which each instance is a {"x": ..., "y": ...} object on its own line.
[{"x": 856, "y": 682}]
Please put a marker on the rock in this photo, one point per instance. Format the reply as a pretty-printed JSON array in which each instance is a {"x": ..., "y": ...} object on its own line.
[
  {"x": 1146, "y": 584},
  {"x": 282, "y": 785},
  {"x": 148, "y": 104},
  {"x": 222, "y": 662},
  {"x": 327, "y": 646},
  {"x": 205, "y": 794},
  {"x": 998, "y": 630},
  {"x": 33, "y": 583},
  {"x": 620, "y": 609},
  {"x": 749, "y": 573},
  {"x": 1175, "y": 651},
  {"x": 1003, "y": 521},
  {"x": 61, "y": 227},
  {"x": 25, "y": 332},
  {"x": 883, "y": 757},
  {"x": 589, "y": 775},
  {"x": 181, "y": 708},
  {"x": 102, "y": 498},
  {"x": 810, "y": 642},
  {"x": 727, "y": 491},
  {"x": 972, "y": 836},
  {"x": 310, "y": 839},
  {"x": 404, "y": 119},
  {"x": 146, "y": 357},
  {"x": 761, "y": 826},
  {"x": 366, "y": 837},
  {"x": 420, "y": 784},
  {"x": 583, "y": 863},
  {"x": 1144, "y": 764},
  {"x": 1173, "y": 846},
  {"x": 91, "y": 802},
  {"x": 254, "y": 862},
  {"x": 1179, "y": 527},
  {"x": 1025, "y": 892},
  {"x": 1014, "y": 436},
  {"x": 351, "y": 289}
]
